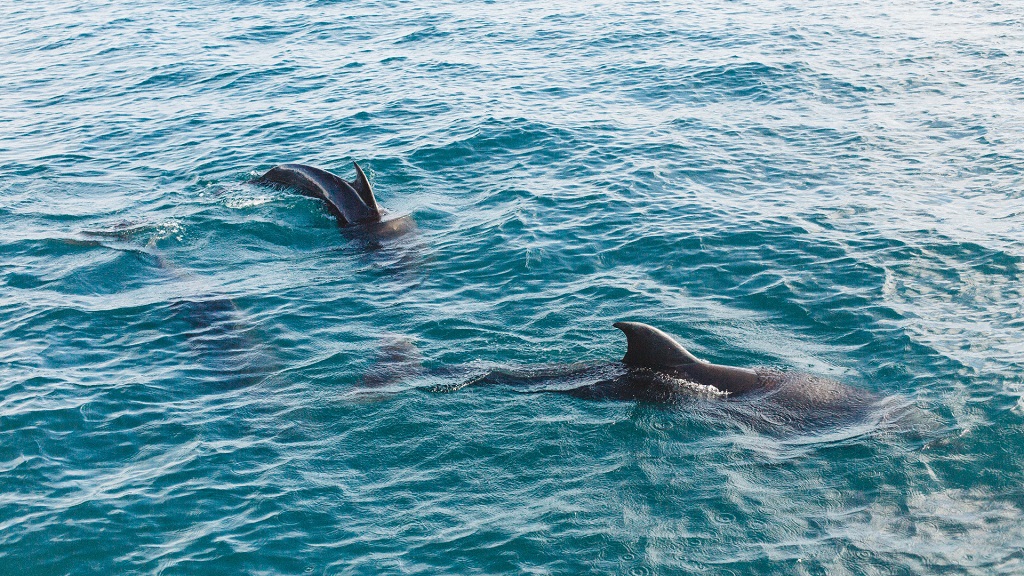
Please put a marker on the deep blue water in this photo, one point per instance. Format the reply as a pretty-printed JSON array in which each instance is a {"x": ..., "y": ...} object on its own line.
[{"x": 834, "y": 188}]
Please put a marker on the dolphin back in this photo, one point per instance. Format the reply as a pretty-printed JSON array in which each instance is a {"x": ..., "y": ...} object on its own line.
[
  {"x": 349, "y": 202},
  {"x": 648, "y": 347}
]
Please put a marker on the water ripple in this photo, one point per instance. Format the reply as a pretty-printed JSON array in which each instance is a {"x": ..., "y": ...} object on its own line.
[{"x": 832, "y": 188}]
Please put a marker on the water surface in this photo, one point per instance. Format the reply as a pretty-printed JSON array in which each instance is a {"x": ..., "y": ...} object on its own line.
[{"x": 833, "y": 188}]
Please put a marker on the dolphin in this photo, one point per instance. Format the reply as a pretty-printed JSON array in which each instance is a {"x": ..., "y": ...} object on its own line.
[
  {"x": 352, "y": 203},
  {"x": 651, "y": 349},
  {"x": 659, "y": 370}
]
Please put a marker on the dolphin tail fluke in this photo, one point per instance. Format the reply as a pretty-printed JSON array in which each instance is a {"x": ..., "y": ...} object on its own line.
[
  {"x": 350, "y": 202},
  {"x": 363, "y": 189},
  {"x": 649, "y": 347}
]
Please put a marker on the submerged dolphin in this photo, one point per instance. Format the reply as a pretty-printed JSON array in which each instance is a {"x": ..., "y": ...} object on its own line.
[{"x": 351, "y": 203}]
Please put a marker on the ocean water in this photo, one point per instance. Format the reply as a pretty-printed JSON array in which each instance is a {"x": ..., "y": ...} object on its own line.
[{"x": 201, "y": 376}]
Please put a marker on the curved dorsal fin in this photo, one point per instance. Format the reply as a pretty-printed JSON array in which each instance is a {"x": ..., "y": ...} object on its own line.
[
  {"x": 362, "y": 188},
  {"x": 651, "y": 348}
]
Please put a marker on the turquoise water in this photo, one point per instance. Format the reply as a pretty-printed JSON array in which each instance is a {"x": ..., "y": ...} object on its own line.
[{"x": 833, "y": 188}]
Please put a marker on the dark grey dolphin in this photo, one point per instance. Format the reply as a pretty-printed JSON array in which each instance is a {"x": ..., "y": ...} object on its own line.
[
  {"x": 351, "y": 203},
  {"x": 657, "y": 369},
  {"x": 649, "y": 350}
]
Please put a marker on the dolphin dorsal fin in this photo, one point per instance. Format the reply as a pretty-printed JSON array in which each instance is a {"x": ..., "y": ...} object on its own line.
[
  {"x": 651, "y": 348},
  {"x": 363, "y": 189}
]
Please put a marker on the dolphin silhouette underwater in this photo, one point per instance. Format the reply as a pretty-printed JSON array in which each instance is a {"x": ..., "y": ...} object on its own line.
[
  {"x": 352, "y": 204},
  {"x": 657, "y": 369}
]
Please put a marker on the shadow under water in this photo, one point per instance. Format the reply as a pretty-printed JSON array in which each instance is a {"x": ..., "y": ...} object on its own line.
[
  {"x": 229, "y": 352},
  {"x": 226, "y": 345}
]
